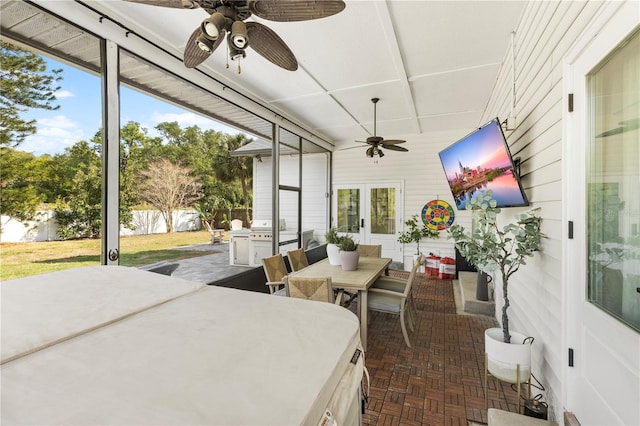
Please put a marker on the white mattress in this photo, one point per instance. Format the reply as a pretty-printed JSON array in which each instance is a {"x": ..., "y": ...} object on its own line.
[
  {"x": 215, "y": 356},
  {"x": 41, "y": 310}
]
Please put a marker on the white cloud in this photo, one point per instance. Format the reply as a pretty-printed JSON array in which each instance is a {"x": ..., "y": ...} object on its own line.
[
  {"x": 58, "y": 121},
  {"x": 54, "y": 134},
  {"x": 61, "y": 94}
]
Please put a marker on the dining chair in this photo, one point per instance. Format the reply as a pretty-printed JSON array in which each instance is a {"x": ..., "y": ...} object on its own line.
[
  {"x": 395, "y": 301},
  {"x": 318, "y": 289},
  {"x": 297, "y": 259},
  {"x": 275, "y": 270},
  {"x": 397, "y": 285},
  {"x": 370, "y": 250}
]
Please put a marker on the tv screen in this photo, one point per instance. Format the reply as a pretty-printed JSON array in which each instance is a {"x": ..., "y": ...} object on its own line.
[{"x": 481, "y": 161}]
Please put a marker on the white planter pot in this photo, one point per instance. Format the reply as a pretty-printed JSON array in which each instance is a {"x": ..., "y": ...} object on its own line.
[
  {"x": 333, "y": 253},
  {"x": 503, "y": 358},
  {"x": 349, "y": 260}
]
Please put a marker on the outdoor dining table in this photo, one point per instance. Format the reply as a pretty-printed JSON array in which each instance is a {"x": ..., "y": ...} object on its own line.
[{"x": 369, "y": 269}]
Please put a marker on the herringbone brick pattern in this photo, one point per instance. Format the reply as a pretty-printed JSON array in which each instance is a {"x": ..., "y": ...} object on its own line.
[{"x": 439, "y": 380}]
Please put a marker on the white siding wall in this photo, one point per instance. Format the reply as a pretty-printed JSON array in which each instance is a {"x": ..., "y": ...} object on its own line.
[
  {"x": 420, "y": 170},
  {"x": 314, "y": 192},
  {"x": 542, "y": 39}
]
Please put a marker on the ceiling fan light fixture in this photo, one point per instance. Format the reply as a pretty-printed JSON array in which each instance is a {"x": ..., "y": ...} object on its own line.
[
  {"x": 213, "y": 25},
  {"x": 370, "y": 152},
  {"x": 204, "y": 43},
  {"x": 236, "y": 54},
  {"x": 379, "y": 152},
  {"x": 239, "y": 37}
]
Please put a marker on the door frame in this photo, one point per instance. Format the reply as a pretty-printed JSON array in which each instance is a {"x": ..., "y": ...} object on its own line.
[
  {"x": 364, "y": 236},
  {"x": 590, "y": 334}
]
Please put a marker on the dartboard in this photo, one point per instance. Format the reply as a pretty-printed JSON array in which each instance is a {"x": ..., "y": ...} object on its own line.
[{"x": 438, "y": 215}]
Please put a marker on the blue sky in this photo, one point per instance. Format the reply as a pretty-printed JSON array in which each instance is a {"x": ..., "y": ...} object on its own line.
[{"x": 79, "y": 116}]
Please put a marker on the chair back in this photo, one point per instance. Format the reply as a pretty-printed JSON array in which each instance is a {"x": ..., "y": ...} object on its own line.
[
  {"x": 297, "y": 259},
  {"x": 318, "y": 289},
  {"x": 413, "y": 274},
  {"x": 370, "y": 250},
  {"x": 274, "y": 268}
]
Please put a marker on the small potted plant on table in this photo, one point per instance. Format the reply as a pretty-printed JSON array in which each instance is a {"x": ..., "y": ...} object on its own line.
[
  {"x": 349, "y": 255},
  {"x": 333, "y": 249}
]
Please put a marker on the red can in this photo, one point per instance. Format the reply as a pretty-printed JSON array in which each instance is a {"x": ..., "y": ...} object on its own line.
[
  {"x": 432, "y": 265},
  {"x": 447, "y": 269}
]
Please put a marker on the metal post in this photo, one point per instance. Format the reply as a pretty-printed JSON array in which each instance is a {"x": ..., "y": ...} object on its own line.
[{"x": 110, "y": 248}]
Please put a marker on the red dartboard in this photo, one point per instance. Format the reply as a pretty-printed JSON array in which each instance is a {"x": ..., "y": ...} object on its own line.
[{"x": 438, "y": 215}]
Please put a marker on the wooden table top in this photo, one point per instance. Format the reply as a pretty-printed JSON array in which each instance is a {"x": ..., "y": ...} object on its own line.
[{"x": 369, "y": 269}]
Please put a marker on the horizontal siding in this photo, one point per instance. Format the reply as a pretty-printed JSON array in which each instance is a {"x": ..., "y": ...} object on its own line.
[
  {"x": 419, "y": 169},
  {"x": 545, "y": 34}
]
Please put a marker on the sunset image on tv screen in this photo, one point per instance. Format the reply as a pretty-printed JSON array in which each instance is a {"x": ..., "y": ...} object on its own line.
[{"x": 481, "y": 161}]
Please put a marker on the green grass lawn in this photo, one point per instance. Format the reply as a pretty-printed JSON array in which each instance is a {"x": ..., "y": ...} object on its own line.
[{"x": 23, "y": 259}]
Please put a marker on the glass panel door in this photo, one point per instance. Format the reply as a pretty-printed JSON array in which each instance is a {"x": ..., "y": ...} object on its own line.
[
  {"x": 370, "y": 213},
  {"x": 382, "y": 211},
  {"x": 613, "y": 179},
  {"x": 348, "y": 213}
]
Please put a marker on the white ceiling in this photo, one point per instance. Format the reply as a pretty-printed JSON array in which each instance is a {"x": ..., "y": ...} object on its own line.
[{"x": 433, "y": 64}]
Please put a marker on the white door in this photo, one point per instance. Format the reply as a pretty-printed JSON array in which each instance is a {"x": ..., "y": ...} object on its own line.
[
  {"x": 602, "y": 202},
  {"x": 371, "y": 213}
]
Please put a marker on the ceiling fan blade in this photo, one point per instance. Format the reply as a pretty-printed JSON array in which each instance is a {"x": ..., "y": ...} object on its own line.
[
  {"x": 295, "y": 10},
  {"x": 391, "y": 142},
  {"x": 177, "y": 4},
  {"x": 350, "y": 147},
  {"x": 396, "y": 148},
  {"x": 268, "y": 44},
  {"x": 193, "y": 55}
]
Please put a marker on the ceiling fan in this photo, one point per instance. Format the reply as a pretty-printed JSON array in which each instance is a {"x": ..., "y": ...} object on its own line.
[
  {"x": 377, "y": 142},
  {"x": 226, "y": 20}
]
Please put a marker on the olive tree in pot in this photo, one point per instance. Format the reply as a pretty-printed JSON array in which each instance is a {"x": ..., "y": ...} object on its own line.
[
  {"x": 503, "y": 250},
  {"x": 415, "y": 233},
  {"x": 333, "y": 249}
]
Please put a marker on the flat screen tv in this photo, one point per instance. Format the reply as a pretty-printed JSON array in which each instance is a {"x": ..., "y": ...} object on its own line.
[{"x": 481, "y": 161}]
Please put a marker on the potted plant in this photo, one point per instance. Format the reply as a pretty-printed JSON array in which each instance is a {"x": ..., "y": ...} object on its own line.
[
  {"x": 349, "y": 255},
  {"x": 415, "y": 233},
  {"x": 503, "y": 250},
  {"x": 333, "y": 251}
]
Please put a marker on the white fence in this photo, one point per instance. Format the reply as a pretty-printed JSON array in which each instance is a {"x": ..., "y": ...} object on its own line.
[{"x": 144, "y": 222}]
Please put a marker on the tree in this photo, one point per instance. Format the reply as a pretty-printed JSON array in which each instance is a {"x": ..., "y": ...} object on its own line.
[
  {"x": 168, "y": 186},
  {"x": 229, "y": 168},
  {"x": 25, "y": 83},
  {"x": 19, "y": 195},
  {"x": 80, "y": 215},
  {"x": 78, "y": 207}
]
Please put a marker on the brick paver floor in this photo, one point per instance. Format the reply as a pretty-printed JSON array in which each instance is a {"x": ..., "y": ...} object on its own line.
[{"x": 439, "y": 380}]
